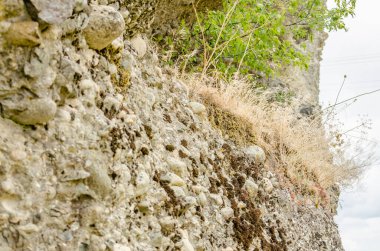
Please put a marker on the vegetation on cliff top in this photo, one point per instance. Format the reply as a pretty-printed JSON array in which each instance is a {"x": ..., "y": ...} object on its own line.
[{"x": 254, "y": 37}]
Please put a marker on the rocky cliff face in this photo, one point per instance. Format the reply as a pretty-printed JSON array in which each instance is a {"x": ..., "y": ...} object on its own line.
[
  {"x": 101, "y": 149},
  {"x": 305, "y": 83}
]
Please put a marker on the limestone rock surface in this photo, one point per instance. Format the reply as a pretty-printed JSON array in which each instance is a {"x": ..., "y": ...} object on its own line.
[
  {"x": 139, "y": 45},
  {"x": 104, "y": 26},
  {"x": 105, "y": 150},
  {"x": 24, "y": 34},
  {"x": 31, "y": 112},
  {"x": 51, "y": 12},
  {"x": 256, "y": 153}
]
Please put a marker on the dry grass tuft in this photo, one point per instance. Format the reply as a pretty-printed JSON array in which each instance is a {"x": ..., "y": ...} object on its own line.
[
  {"x": 235, "y": 128},
  {"x": 297, "y": 147}
]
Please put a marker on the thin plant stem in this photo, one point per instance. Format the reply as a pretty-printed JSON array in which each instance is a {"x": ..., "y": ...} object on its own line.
[
  {"x": 245, "y": 52},
  {"x": 225, "y": 21},
  {"x": 336, "y": 99},
  {"x": 352, "y": 98},
  {"x": 203, "y": 35}
]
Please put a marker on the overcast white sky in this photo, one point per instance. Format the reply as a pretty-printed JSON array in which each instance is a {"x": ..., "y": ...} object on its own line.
[{"x": 357, "y": 54}]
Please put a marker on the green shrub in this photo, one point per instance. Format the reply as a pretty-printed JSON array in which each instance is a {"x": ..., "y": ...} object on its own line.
[{"x": 256, "y": 37}]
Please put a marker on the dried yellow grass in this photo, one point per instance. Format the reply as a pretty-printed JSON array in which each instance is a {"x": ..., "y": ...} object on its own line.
[{"x": 296, "y": 146}]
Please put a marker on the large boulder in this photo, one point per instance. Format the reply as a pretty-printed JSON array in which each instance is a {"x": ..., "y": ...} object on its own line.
[{"x": 104, "y": 26}]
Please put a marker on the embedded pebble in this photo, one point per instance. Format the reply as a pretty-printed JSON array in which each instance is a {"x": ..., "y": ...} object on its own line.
[
  {"x": 99, "y": 180},
  {"x": 91, "y": 215},
  {"x": 197, "y": 108},
  {"x": 190, "y": 200},
  {"x": 87, "y": 84},
  {"x": 186, "y": 244},
  {"x": 118, "y": 43},
  {"x": 8, "y": 186},
  {"x": 241, "y": 205},
  {"x": 228, "y": 249},
  {"x": 66, "y": 236},
  {"x": 35, "y": 111},
  {"x": 111, "y": 103},
  {"x": 9, "y": 205},
  {"x": 120, "y": 247},
  {"x": 178, "y": 192},
  {"x": 142, "y": 184},
  {"x": 256, "y": 153},
  {"x": 173, "y": 179},
  {"x": 53, "y": 32},
  {"x": 125, "y": 13},
  {"x": 130, "y": 119},
  {"x": 267, "y": 185},
  {"x": 4, "y": 25},
  {"x": 80, "y": 5},
  {"x": 251, "y": 187},
  {"x": 104, "y": 26},
  {"x": 202, "y": 199},
  {"x": 227, "y": 213},
  {"x": 156, "y": 240},
  {"x": 38, "y": 68},
  {"x": 139, "y": 45},
  {"x": 179, "y": 87},
  {"x": 71, "y": 175},
  {"x": 51, "y": 12},
  {"x": 112, "y": 69},
  {"x": 24, "y": 34},
  {"x": 18, "y": 155},
  {"x": 76, "y": 191},
  {"x": 63, "y": 115},
  {"x": 217, "y": 198},
  {"x": 144, "y": 206},
  {"x": 199, "y": 189},
  {"x": 28, "y": 228},
  {"x": 177, "y": 166},
  {"x": 167, "y": 223}
]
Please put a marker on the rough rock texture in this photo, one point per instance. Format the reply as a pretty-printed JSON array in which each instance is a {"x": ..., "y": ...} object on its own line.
[
  {"x": 23, "y": 34},
  {"x": 307, "y": 81},
  {"x": 51, "y": 12},
  {"x": 304, "y": 82},
  {"x": 103, "y": 150},
  {"x": 105, "y": 24}
]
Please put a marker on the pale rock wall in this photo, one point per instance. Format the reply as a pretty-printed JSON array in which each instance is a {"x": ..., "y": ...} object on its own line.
[
  {"x": 303, "y": 83},
  {"x": 102, "y": 150}
]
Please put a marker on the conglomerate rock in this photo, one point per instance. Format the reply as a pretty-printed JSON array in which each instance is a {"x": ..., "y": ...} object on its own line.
[
  {"x": 105, "y": 24},
  {"x": 104, "y": 150}
]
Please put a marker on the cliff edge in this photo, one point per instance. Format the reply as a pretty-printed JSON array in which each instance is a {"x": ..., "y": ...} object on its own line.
[{"x": 103, "y": 149}]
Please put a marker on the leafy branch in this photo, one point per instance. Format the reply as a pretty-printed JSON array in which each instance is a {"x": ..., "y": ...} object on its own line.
[{"x": 254, "y": 35}]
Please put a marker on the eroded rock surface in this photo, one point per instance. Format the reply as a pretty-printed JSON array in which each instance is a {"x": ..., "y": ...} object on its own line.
[
  {"x": 51, "y": 12},
  {"x": 104, "y": 150},
  {"x": 105, "y": 24}
]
